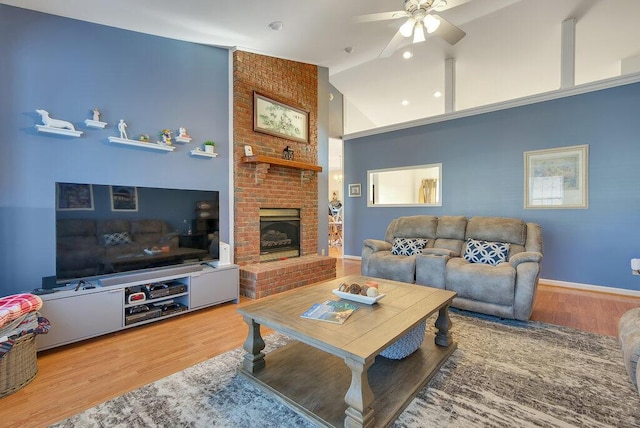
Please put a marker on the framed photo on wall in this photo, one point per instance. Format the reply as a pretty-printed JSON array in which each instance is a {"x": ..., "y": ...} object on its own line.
[
  {"x": 355, "y": 190},
  {"x": 74, "y": 197},
  {"x": 275, "y": 118},
  {"x": 557, "y": 178},
  {"x": 124, "y": 198}
]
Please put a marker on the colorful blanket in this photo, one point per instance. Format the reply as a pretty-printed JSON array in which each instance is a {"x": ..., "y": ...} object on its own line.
[
  {"x": 28, "y": 323},
  {"x": 14, "y": 306}
]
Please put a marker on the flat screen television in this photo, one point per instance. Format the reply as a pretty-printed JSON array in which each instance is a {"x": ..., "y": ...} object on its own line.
[{"x": 110, "y": 230}]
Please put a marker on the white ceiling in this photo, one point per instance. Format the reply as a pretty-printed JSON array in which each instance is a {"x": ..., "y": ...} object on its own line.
[{"x": 512, "y": 47}]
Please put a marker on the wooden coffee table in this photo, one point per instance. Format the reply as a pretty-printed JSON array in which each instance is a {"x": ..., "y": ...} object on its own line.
[{"x": 332, "y": 373}]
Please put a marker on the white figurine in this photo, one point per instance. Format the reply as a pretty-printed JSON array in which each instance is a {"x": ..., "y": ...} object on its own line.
[
  {"x": 54, "y": 123},
  {"x": 96, "y": 114},
  {"x": 183, "y": 132},
  {"x": 122, "y": 127}
]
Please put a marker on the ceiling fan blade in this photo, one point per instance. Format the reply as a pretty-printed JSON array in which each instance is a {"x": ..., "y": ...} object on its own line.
[
  {"x": 448, "y": 31},
  {"x": 382, "y": 16},
  {"x": 392, "y": 46}
]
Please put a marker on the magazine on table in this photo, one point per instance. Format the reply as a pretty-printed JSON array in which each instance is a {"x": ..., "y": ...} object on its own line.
[{"x": 334, "y": 311}]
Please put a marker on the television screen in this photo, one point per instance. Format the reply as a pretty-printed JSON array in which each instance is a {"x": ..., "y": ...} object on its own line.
[{"x": 113, "y": 229}]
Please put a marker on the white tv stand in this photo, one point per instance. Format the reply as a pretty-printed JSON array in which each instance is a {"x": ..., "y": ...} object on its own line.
[{"x": 100, "y": 306}]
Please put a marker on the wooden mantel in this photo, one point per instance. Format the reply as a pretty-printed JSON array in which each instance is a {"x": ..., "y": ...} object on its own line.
[{"x": 282, "y": 162}]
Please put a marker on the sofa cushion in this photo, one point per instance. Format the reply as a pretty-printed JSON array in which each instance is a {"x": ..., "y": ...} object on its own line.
[
  {"x": 75, "y": 227},
  {"x": 497, "y": 229},
  {"x": 385, "y": 265},
  {"x": 408, "y": 246},
  {"x": 418, "y": 226},
  {"x": 484, "y": 283},
  {"x": 490, "y": 253},
  {"x": 113, "y": 239}
]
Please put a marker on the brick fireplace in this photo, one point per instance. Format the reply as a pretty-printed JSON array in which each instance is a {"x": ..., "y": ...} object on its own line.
[{"x": 265, "y": 185}]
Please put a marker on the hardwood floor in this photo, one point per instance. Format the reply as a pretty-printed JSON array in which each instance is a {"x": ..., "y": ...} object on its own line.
[{"x": 79, "y": 376}]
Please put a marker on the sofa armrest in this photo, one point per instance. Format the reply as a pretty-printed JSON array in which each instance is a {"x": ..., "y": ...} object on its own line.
[
  {"x": 369, "y": 248},
  {"x": 527, "y": 256},
  {"x": 440, "y": 252},
  {"x": 377, "y": 245},
  {"x": 431, "y": 270}
]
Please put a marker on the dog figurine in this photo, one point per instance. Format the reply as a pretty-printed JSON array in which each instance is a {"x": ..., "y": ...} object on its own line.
[{"x": 54, "y": 123}]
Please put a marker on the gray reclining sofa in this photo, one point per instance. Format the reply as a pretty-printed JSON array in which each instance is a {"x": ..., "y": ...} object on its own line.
[{"x": 493, "y": 263}]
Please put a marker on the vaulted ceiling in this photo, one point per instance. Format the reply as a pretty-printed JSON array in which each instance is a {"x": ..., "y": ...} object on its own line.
[{"x": 511, "y": 49}]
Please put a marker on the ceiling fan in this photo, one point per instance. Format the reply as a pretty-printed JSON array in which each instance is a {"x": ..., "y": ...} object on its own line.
[{"x": 420, "y": 19}]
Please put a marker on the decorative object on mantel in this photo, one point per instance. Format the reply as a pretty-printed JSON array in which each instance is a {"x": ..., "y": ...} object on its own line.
[
  {"x": 165, "y": 135},
  {"x": 248, "y": 151},
  {"x": 95, "y": 122},
  {"x": 182, "y": 136},
  {"x": 275, "y": 118},
  {"x": 56, "y": 126},
  {"x": 287, "y": 153}
]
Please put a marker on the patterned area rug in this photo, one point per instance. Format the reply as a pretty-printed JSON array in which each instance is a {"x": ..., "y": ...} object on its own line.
[{"x": 503, "y": 374}]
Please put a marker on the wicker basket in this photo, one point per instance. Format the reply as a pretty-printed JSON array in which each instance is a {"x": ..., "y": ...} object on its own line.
[
  {"x": 407, "y": 344},
  {"x": 19, "y": 366}
]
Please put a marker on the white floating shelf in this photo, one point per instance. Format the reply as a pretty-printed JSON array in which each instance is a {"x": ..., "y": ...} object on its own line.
[
  {"x": 59, "y": 131},
  {"x": 199, "y": 152},
  {"x": 153, "y": 146},
  {"x": 183, "y": 139},
  {"x": 95, "y": 123}
]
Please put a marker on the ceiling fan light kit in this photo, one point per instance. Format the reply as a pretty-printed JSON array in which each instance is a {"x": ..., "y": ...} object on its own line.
[{"x": 420, "y": 18}]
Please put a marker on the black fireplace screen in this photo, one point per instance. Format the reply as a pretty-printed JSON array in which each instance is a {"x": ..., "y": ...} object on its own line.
[{"x": 279, "y": 233}]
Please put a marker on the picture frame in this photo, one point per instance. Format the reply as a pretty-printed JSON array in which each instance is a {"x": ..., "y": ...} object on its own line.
[
  {"x": 74, "y": 197},
  {"x": 281, "y": 120},
  {"x": 557, "y": 178},
  {"x": 124, "y": 198},
  {"x": 355, "y": 190},
  {"x": 248, "y": 150}
]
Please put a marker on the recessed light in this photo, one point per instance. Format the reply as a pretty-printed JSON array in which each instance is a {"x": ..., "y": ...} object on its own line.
[
  {"x": 276, "y": 25},
  {"x": 437, "y": 94},
  {"x": 405, "y": 102},
  {"x": 407, "y": 54}
]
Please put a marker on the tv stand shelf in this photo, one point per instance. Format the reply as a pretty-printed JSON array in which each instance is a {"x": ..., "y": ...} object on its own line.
[{"x": 105, "y": 308}]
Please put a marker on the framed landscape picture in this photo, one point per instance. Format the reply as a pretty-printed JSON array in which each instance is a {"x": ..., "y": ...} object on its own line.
[
  {"x": 275, "y": 118},
  {"x": 74, "y": 197},
  {"x": 124, "y": 198},
  {"x": 557, "y": 178}
]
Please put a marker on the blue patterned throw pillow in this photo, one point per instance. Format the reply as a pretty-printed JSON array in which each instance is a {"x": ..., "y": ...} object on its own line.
[
  {"x": 408, "y": 246},
  {"x": 113, "y": 239},
  {"x": 490, "y": 253}
]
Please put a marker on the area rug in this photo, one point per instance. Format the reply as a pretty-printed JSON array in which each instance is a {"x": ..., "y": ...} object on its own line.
[{"x": 503, "y": 374}]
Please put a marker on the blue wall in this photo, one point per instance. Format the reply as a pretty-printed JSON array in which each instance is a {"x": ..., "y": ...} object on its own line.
[
  {"x": 69, "y": 67},
  {"x": 483, "y": 174}
]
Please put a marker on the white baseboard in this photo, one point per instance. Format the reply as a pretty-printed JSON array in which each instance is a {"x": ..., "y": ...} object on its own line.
[
  {"x": 589, "y": 287},
  {"x": 566, "y": 284}
]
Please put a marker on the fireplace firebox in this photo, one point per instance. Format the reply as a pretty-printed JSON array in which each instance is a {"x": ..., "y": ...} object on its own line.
[{"x": 279, "y": 233}]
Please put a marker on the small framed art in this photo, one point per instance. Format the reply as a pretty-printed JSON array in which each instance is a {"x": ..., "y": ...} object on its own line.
[
  {"x": 74, "y": 197},
  {"x": 124, "y": 198},
  {"x": 355, "y": 190}
]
